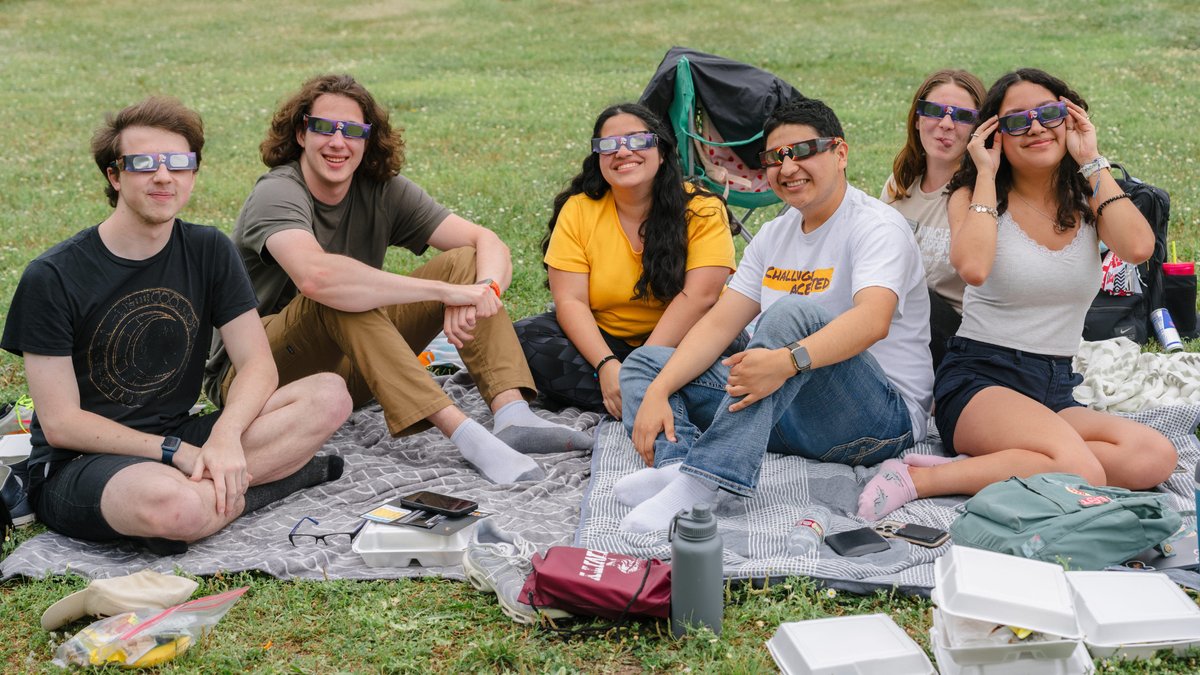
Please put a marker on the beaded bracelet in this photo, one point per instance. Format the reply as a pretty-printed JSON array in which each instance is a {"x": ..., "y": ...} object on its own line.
[
  {"x": 603, "y": 361},
  {"x": 1106, "y": 202}
]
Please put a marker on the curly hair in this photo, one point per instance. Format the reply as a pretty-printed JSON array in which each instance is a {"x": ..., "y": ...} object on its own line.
[
  {"x": 157, "y": 112},
  {"x": 665, "y": 230},
  {"x": 1071, "y": 189},
  {"x": 383, "y": 156},
  {"x": 910, "y": 162}
]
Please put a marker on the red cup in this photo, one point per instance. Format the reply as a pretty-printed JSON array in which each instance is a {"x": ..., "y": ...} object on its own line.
[{"x": 1180, "y": 269}]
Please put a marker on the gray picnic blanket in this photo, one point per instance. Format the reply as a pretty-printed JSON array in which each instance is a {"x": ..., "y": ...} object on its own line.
[
  {"x": 755, "y": 530},
  {"x": 378, "y": 468}
]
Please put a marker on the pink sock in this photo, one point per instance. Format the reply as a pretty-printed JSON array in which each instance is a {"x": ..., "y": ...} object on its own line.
[
  {"x": 914, "y": 459},
  {"x": 890, "y": 489}
]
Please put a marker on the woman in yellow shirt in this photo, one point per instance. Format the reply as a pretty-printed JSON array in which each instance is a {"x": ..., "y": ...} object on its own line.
[{"x": 633, "y": 256}]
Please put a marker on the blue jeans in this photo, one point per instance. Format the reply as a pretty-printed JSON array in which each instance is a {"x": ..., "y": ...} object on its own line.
[{"x": 846, "y": 413}]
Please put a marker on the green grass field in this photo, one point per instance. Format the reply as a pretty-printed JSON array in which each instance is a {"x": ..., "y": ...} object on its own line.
[{"x": 498, "y": 98}]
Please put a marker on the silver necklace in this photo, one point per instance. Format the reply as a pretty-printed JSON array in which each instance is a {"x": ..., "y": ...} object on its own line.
[{"x": 1043, "y": 213}]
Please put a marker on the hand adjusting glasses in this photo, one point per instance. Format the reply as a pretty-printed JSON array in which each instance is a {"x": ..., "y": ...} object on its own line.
[
  {"x": 611, "y": 144},
  {"x": 797, "y": 151},
  {"x": 1049, "y": 116},
  {"x": 320, "y": 538},
  {"x": 175, "y": 161},
  {"x": 326, "y": 127},
  {"x": 938, "y": 111}
]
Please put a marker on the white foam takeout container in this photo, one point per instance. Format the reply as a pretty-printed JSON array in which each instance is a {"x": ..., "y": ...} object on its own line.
[
  {"x": 1133, "y": 614},
  {"x": 1003, "y": 590},
  {"x": 1079, "y": 663},
  {"x": 384, "y": 545},
  {"x": 870, "y": 644}
]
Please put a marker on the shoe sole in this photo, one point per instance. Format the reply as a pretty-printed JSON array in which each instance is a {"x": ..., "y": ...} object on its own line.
[
  {"x": 479, "y": 581},
  {"x": 24, "y": 521}
]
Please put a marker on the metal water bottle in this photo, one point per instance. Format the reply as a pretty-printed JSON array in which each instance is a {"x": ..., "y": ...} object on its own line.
[{"x": 697, "y": 582}]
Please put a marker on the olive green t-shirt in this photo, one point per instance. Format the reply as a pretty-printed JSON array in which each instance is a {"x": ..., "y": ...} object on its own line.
[{"x": 373, "y": 216}]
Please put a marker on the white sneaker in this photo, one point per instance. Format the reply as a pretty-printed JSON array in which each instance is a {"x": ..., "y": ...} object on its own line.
[{"x": 499, "y": 562}]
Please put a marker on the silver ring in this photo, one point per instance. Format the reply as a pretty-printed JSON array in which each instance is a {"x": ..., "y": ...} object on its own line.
[{"x": 974, "y": 135}]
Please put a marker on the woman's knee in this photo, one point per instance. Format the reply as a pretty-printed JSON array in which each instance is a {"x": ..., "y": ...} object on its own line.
[{"x": 1156, "y": 461}]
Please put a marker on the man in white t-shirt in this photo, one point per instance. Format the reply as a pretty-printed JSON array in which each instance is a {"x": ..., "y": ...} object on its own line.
[{"x": 838, "y": 369}]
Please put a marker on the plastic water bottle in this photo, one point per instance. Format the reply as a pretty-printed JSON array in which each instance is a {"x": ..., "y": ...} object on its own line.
[
  {"x": 697, "y": 582},
  {"x": 809, "y": 531}
]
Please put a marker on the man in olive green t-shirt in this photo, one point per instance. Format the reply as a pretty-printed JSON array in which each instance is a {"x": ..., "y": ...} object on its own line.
[{"x": 313, "y": 234}]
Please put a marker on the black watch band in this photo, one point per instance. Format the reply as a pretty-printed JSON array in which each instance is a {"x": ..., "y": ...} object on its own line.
[{"x": 170, "y": 446}]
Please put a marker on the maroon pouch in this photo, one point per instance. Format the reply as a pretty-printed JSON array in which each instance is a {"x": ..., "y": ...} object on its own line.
[{"x": 596, "y": 583}]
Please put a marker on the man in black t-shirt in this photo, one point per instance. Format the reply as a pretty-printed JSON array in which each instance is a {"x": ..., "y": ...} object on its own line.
[{"x": 113, "y": 325}]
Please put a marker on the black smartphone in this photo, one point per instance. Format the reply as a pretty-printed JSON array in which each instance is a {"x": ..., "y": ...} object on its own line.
[
  {"x": 438, "y": 503},
  {"x": 858, "y": 542},
  {"x": 921, "y": 535}
]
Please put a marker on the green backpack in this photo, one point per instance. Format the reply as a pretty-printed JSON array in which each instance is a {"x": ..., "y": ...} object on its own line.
[{"x": 1059, "y": 518}]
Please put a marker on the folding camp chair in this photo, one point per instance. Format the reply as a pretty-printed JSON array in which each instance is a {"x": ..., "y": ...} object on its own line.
[{"x": 716, "y": 108}]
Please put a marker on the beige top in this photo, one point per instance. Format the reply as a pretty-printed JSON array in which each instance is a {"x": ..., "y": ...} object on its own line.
[{"x": 926, "y": 214}]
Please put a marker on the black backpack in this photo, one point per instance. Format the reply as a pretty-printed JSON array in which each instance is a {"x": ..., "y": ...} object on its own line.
[{"x": 1129, "y": 316}]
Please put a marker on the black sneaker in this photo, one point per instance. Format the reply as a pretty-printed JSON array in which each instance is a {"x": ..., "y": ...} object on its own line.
[{"x": 16, "y": 496}]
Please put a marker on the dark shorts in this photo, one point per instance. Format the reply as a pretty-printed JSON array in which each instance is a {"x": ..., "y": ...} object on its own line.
[
  {"x": 971, "y": 366},
  {"x": 66, "y": 494}
]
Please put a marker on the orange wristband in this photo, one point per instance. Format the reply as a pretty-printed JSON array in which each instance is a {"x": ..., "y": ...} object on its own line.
[{"x": 495, "y": 286}]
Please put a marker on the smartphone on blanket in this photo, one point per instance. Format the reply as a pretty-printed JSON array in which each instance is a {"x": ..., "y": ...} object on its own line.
[
  {"x": 921, "y": 535},
  {"x": 438, "y": 503}
]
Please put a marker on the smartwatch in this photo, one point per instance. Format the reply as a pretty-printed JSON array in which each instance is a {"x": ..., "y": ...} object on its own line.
[
  {"x": 799, "y": 357},
  {"x": 170, "y": 445},
  {"x": 491, "y": 283}
]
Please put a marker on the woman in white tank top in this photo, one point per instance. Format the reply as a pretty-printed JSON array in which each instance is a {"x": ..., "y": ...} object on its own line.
[{"x": 1027, "y": 211}]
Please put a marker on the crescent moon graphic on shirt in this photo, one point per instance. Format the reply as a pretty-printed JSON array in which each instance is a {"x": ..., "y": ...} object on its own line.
[{"x": 141, "y": 348}]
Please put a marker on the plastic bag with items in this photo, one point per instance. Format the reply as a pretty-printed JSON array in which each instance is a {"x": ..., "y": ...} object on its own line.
[{"x": 146, "y": 637}]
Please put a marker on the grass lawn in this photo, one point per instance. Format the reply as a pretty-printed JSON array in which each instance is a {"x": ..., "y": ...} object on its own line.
[{"x": 498, "y": 98}]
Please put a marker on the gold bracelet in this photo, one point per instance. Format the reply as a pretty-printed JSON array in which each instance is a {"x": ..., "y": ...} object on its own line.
[{"x": 990, "y": 210}]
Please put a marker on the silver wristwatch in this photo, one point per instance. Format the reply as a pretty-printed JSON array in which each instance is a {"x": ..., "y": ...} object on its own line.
[{"x": 800, "y": 357}]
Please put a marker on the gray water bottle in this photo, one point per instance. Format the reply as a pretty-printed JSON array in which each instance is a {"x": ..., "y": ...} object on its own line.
[{"x": 697, "y": 582}]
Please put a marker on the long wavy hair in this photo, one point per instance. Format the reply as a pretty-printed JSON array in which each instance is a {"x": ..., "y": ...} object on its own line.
[
  {"x": 383, "y": 156},
  {"x": 1070, "y": 188},
  {"x": 665, "y": 230},
  {"x": 910, "y": 162}
]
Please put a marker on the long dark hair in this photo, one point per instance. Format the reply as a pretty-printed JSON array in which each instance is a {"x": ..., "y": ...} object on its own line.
[
  {"x": 910, "y": 161},
  {"x": 665, "y": 230},
  {"x": 1071, "y": 189},
  {"x": 383, "y": 156}
]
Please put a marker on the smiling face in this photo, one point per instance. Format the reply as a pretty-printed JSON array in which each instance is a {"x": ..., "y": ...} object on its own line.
[
  {"x": 1040, "y": 148},
  {"x": 628, "y": 169},
  {"x": 944, "y": 140},
  {"x": 152, "y": 197},
  {"x": 813, "y": 185},
  {"x": 329, "y": 162}
]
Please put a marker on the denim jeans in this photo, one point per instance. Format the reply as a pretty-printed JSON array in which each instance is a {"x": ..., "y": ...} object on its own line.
[{"x": 846, "y": 413}]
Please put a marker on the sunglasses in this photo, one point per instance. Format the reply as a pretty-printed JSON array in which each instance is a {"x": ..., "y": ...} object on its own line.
[
  {"x": 611, "y": 144},
  {"x": 939, "y": 111},
  {"x": 175, "y": 161},
  {"x": 330, "y": 127},
  {"x": 797, "y": 151},
  {"x": 320, "y": 538},
  {"x": 1049, "y": 116}
]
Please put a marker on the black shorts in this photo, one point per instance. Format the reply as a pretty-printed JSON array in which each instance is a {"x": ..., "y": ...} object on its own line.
[
  {"x": 65, "y": 495},
  {"x": 971, "y": 366}
]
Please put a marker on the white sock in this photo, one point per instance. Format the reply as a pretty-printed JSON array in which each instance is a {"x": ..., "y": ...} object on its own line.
[
  {"x": 680, "y": 494},
  {"x": 491, "y": 457},
  {"x": 522, "y": 430},
  {"x": 643, "y": 484}
]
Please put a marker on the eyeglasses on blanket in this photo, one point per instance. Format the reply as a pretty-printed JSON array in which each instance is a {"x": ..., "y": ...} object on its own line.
[
  {"x": 1049, "y": 116},
  {"x": 939, "y": 110},
  {"x": 175, "y": 161},
  {"x": 326, "y": 127},
  {"x": 797, "y": 151},
  {"x": 611, "y": 144},
  {"x": 320, "y": 538}
]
